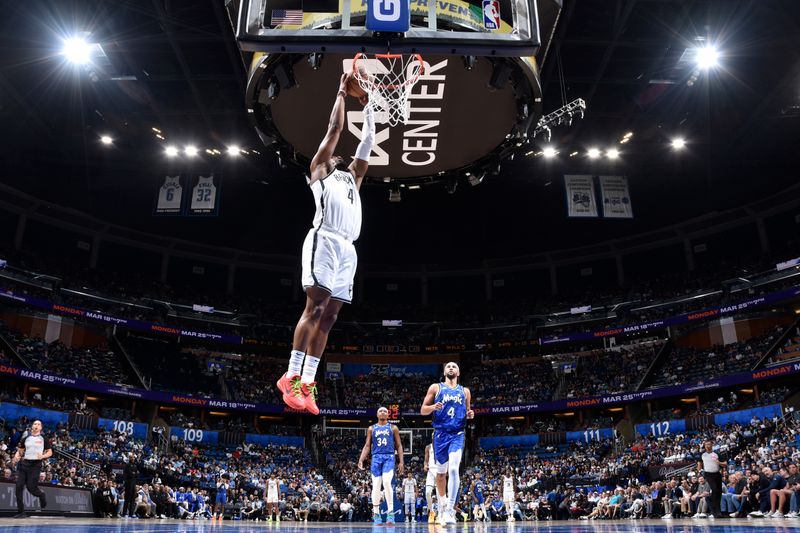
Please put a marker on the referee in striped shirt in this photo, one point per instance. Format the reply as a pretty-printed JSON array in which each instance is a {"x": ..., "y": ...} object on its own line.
[{"x": 713, "y": 475}]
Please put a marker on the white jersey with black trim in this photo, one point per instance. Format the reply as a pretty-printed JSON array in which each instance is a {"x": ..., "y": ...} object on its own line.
[
  {"x": 432, "y": 460},
  {"x": 508, "y": 484},
  {"x": 338, "y": 205}
]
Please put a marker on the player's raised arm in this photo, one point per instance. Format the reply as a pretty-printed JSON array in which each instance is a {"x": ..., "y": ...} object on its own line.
[
  {"x": 359, "y": 165},
  {"x": 319, "y": 165},
  {"x": 429, "y": 404},
  {"x": 468, "y": 403},
  {"x": 398, "y": 445},
  {"x": 365, "y": 449}
]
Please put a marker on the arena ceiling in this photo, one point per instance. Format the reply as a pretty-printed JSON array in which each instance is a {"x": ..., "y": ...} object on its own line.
[{"x": 173, "y": 65}]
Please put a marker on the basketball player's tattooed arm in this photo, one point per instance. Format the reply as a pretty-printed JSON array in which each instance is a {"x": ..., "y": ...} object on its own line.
[
  {"x": 320, "y": 164},
  {"x": 365, "y": 449},
  {"x": 398, "y": 445},
  {"x": 468, "y": 403},
  {"x": 428, "y": 405}
]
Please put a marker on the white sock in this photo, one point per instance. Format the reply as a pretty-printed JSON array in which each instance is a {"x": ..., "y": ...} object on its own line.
[
  {"x": 310, "y": 369},
  {"x": 295, "y": 363}
]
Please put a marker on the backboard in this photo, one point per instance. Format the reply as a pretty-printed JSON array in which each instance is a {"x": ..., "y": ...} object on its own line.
[
  {"x": 473, "y": 107},
  {"x": 476, "y": 27}
]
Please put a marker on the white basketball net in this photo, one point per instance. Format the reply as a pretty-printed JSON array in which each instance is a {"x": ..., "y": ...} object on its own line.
[{"x": 388, "y": 82}]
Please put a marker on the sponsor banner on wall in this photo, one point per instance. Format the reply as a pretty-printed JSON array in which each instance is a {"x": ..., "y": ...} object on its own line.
[
  {"x": 581, "y": 200},
  {"x": 783, "y": 370},
  {"x": 686, "y": 318},
  {"x": 666, "y": 471},
  {"x": 616, "y": 198},
  {"x": 68, "y": 500},
  {"x": 138, "y": 325}
]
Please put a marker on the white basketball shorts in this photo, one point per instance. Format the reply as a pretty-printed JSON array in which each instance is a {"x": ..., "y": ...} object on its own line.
[{"x": 329, "y": 262}]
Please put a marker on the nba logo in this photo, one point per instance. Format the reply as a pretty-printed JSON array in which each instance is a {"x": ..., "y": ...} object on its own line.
[{"x": 491, "y": 14}]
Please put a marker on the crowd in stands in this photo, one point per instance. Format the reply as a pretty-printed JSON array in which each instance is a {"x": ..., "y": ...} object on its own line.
[
  {"x": 689, "y": 365},
  {"x": 790, "y": 349},
  {"x": 610, "y": 371},
  {"x": 511, "y": 383},
  {"x": 94, "y": 363},
  {"x": 180, "y": 482}
]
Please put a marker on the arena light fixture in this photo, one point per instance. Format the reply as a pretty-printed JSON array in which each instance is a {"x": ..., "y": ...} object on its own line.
[
  {"x": 190, "y": 150},
  {"x": 106, "y": 139},
  {"x": 77, "y": 51},
  {"x": 678, "y": 143},
  {"x": 612, "y": 153},
  {"x": 549, "y": 152},
  {"x": 707, "y": 57},
  {"x": 171, "y": 151},
  {"x": 233, "y": 150},
  {"x": 593, "y": 153}
]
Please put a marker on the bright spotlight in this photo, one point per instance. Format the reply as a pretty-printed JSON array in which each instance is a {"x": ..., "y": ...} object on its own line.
[
  {"x": 171, "y": 151},
  {"x": 190, "y": 150},
  {"x": 707, "y": 57},
  {"x": 233, "y": 151},
  {"x": 613, "y": 153},
  {"x": 678, "y": 143},
  {"x": 77, "y": 51},
  {"x": 549, "y": 152},
  {"x": 105, "y": 139},
  {"x": 593, "y": 153}
]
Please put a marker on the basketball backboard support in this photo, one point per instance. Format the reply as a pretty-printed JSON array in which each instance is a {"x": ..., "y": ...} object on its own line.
[
  {"x": 455, "y": 27},
  {"x": 476, "y": 105}
]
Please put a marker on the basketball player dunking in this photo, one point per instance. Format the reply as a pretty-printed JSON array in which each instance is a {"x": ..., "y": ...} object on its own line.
[
  {"x": 329, "y": 257},
  {"x": 449, "y": 403},
  {"x": 383, "y": 439}
]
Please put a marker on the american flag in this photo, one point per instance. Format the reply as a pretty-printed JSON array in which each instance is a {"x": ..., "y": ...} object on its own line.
[{"x": 286, "y": 17}]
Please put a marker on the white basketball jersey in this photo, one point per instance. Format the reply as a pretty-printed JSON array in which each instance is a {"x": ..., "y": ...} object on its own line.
[
  {"x": 508, "y": 484},
  {"x": 338, "y": 205},
  {"x": 204, "y": 194},
  {"x": 272, "y": 486},
  {"x": 409, "y": 485},
  {"x": 170, "y": 194}
]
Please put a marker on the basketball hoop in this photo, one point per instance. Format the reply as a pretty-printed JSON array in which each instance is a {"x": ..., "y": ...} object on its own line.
[{"x": 388, "y": 80}]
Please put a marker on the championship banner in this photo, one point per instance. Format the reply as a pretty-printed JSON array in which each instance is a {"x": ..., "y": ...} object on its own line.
[
  {"x": 205, "y": 196},
  {"x": 616, "y": 197},
  {"x": 169, "y": 197},
  {"x": 580, "y": 196}
]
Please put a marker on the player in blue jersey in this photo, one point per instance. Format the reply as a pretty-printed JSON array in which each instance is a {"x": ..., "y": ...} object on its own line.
[
  {"x": 222, "y": 498},
  {"x": 449, "y": 403},
  {"x": 478, "y": 491},
  {"x": 383, "y": 440}
]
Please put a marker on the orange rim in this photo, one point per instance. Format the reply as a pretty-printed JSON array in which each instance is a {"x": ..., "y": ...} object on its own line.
[{"x": 410, "y": 81}]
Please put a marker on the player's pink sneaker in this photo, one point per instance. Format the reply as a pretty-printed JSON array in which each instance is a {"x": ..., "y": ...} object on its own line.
[
  {"x": 292, "y": 392},
  {"x": 310, "y": 395}
]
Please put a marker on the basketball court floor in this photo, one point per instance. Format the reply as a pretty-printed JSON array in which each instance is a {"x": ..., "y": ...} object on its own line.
[{"x": 91, "y": 525}]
